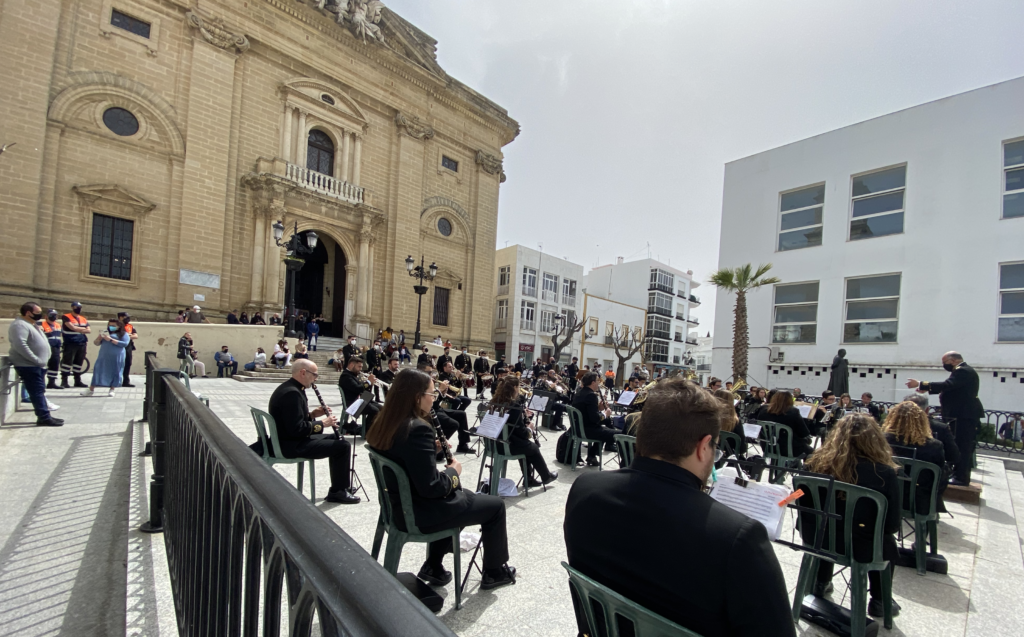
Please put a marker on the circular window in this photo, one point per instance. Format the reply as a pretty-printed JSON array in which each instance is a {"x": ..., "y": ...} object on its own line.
[
  {"x": 327, "y": 98},
  {"x": 120, "y": 121},
  {"x": 444, "y": 227}
]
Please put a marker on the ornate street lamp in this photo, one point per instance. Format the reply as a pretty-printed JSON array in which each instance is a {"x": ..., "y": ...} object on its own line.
[
  {"x": 421, "y": 273},
  {"x": 293, "y": 262}
]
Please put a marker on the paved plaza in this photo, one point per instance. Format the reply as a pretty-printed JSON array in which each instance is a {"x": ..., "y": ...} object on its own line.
[{"x": 66, "y": 536}]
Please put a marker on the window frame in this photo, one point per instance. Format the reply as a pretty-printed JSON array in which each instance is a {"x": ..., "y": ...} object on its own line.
[
  {"x": 92, "y": 246},
  {"x": 547, "y": 320},
  {"x": 1002, "y": 184},
  {"x": 447, "y": 296},
  {"x": 525, "y": 305},
  {"x": 548, "y": 277},
  {"x": 445, "y": 160},
  {"x": 1000, "y": 290},
  {"x": 775, "y": 305},
  {"x": 529, "y": 272},
  {"x": 501, "y": 315},
  {"x": 107, "y": 29},
  {"x": 846, "y": 302},
  {"x": 853, "y": 199},
  {"x": 321, "y": 150},
  {"x": 778, "y": 221}
]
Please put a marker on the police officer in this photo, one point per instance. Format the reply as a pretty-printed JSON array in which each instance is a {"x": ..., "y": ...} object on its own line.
[
  {"x": 51, "y": 328},
  {"x": 74, "y": 328},
  {"x": 130, "y": 330}
]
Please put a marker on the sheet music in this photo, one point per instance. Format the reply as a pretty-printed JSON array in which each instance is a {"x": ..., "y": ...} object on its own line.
[
  {"x": 538, "y": 403},
  {"x": 805, "y": 410},
  {"x": 626, "y": 398},
  {"x": 528, "y": 373},
  {"x": 491, "y": 425},
  {"x": 757, "y": 501},
  {"x": 354, "y": 407},
  {"x": 751, "y": 431}
]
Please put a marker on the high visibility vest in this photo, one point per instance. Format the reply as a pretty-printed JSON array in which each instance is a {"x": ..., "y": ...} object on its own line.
[
  {"x": 80, "y": 321},
  {"x": 53, "y": 332}
]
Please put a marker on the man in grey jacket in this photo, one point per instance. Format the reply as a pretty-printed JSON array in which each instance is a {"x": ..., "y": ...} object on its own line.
[{"x": 29, "y": 352}]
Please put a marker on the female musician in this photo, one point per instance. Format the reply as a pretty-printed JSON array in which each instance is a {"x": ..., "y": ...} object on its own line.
[
  {"x": 845, "y": 402},
  {"x": 908, "y": 433},
  {"x": 401, "y": 433},
  {"x": 731, "y": 421},
  {"x": 781, "y": 409},
  {"x": 520, "y": 435}
]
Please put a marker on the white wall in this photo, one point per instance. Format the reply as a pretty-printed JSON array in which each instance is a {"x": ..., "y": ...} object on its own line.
[
  {"x": 594, "y": 349},
  {"x": 948, "y": 254}
]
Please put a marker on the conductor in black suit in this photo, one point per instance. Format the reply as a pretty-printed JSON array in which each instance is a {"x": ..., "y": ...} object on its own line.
[
  {"x": 694, "y": 549},
  {"x": 961, "y": 409},
  {"x": 587, "y": 401},
  {"x": 302, "y": 436}
]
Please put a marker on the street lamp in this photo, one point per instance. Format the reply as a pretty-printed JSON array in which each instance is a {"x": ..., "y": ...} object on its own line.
[
  {"x": 293, "y": 263},
  {"x": 421, "y": 273}
]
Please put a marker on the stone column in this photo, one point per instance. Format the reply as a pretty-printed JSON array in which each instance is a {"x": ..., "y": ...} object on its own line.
[
  {"x": 350, "y": 286},
  {"x": 286, "y": 140},
  {"x": 301, "y": 136},
  {"x": 339, "y": 158},
  {"x": 259, "y": 242},
  {"x": 357, "y": 157},
  {"x": 346, "y": 149},
  {"x": 362, "y": 277},
  {"x": 370, "y": 274},
  {"x": 272, "y": 267}
]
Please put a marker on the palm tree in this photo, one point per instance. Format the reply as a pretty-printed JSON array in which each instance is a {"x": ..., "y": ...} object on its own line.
[{"x": 741, "y": 280}]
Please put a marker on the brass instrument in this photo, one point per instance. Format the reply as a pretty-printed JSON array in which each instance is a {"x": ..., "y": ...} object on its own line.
[{"x": 641, "y": 396}]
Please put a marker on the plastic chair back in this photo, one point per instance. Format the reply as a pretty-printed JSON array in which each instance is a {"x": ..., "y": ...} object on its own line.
[
  {"x": 730, "y": 442},
  {"x": 613, "y": 606},
  {"x": 266, "y": 430},
  {"x": 576, "y": 423},
  {"x": 817, "y": 488},
  {"x": 626, "y": 446},
  {"x": 914, "y": 469},
  {"x": 380, "y": 464}
]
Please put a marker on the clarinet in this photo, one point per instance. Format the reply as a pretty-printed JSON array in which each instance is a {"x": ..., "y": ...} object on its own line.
[
  {"x": 445, "y": 447},
  {"x": 323, "y": 404}
]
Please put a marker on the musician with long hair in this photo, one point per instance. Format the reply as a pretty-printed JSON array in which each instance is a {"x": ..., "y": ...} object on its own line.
[
  {"x": 403, "y": 434},
  {"x": 781, "y": 409},
  {"x": 857, "y": 453},
  {"x": 731, "y": 420},
  {"x": 909, "y": 434},
  {"x": 520, "y": 440}
]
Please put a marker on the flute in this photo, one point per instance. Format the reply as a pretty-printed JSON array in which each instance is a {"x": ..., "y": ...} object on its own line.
[
  {"x": 327, "y": 410},
  {"x": 445, "y": 447}
]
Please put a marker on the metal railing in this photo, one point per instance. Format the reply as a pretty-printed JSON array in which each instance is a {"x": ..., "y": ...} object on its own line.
[
  {"x": 526, "y": 325},
  {"x": 568, "y": 299},
  {"x": 694, "y": 299},
  {"x": 678, "y": 338},
  {"x": 501, "y": 322},
  {"x": 503, "y": 289},
  {"x": 324, "y": 184},
  {"x": 691, "y": 341},
  {"x": 549, "y": 295},
  {"x": 661, "y": 287},
  {"x": 235, "y": 531},
  {"x": 660, "y": 311}
]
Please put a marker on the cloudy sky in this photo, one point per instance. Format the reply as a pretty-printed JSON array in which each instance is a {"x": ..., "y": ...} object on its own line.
[{"x": 630, "y": 109}]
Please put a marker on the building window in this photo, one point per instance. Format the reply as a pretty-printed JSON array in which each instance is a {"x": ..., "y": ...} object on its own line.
[
  {"x": 449, "y": 163},
  {"x": 444, "y": 227},
  {"x": 662, "y": 280},
  {"x": 504, "y": 276},
  {"x": 547, "y": 321},
  {"x": 796, "y": 313},
  {"x": 872, "y": 308},
  {"x": 659, "y": 327},
  {"x": 441, "y": 296},
  {"x": 878, "y": 203},
  {"x": 1013, "y": 179},
  {"x": 550, "y": 290},
  {"x": 568, "y": 292},
  {"x": 121, "y": 121},
  {"x": 656, "y": 351},
  {"x": 130, "y": 24},
  {"x": 501, "y": 321},
  {"x": 527, "y": 315},
  {"x": 320, "y": 153},
  {"x": 659, "y": 303},
  {"x": 1011, "y": 302},
  {"x": 592, "y": 327},
  {"x": 529, "y": 282},
  {"x": 637, "y": 333},
  {"x": 327, "y": 98},
  {"x": 800, "y": 218},
  {"x": 111, "y": 254}
]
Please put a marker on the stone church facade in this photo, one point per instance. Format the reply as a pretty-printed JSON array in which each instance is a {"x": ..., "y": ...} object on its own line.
[{"x": 157, "y": 142}]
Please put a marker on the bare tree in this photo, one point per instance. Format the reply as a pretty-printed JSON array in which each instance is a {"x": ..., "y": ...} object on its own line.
[
  {"x": 568, "y": 328},
  {"x": 626, "y": 344}
]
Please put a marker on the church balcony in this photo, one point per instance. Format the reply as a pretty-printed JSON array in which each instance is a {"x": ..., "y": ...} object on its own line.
[{"x": 323, "y": 184}]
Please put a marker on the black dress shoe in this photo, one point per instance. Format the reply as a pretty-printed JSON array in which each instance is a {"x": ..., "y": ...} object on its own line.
[
  {"x": 434, "y": 576},
  {"x": 50, "y": 422},
  {"x": 127, "y": 385},
  {"x": 52, "y": 385},
  {"x": 535, "y": 484},
  {"x": 958, "y": 483},
  {"x": 463, "y": 449},
  {"x": 551, "y": 478},
  {"x": 79, "y": 383},
  {"x": 875, "y": 608},
  {"x": 821, "y": 590},
  {"x": 498, "y": 577},
  {"x": 593, "y": 462},
  {"x": 342, "y": 497}
]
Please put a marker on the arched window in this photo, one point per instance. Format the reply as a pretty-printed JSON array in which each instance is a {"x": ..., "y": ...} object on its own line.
[{"x": 320, "y": 153}]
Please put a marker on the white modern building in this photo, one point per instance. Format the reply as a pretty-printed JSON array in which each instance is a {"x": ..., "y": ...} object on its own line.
[
  {"x": 606, "y": 321},
  {"x": 702, "y": 355},
  {"x": 666, "y": 292},
  {"x": 536, "y": 294},
  {"x": 897, "y": 239}
]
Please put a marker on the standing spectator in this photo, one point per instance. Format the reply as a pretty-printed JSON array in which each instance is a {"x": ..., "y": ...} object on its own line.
[
  {"x": 224, "y": 361},
  {"x": 129, "y": 329},
  {"x": 300, "y": 326},
  {"x": 51, "y": 328},
  {"x": 243, "y": 319},
  {"x": 74, "y": 327},
  {"x": 275, "y": 319},
  {"x": 196, "y": 316},
  {"x": 257, "y": 319},
  {"x": 194, "y": 366},
  {"x": 401, "y": 339},
  {"x": 109, "y": 367},
  {"x": 313, "y": 332},
  {"x": 438, "y": 341},
  {"x": 29, "y": 353},
  {"x": 181, "y": 317},
  {"x": 233, "y": 317},
  {"x": 259, "y": 360}
]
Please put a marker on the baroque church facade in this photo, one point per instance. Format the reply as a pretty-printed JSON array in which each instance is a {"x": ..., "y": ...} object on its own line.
[{"x": 156, "y": 144}]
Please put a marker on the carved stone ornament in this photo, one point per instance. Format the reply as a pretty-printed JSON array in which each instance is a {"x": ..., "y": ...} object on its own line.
[
  {"x": 362, "y": 16},
  {"x": 213, "y": 31},
  {"x": 413, "y": 127},
  {"x": 488, "y": 163}
]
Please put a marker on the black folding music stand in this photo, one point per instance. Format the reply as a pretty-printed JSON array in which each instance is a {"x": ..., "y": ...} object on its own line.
[
  {"x": 552, "y": 398},
  {"x": 355, "y": 484}
]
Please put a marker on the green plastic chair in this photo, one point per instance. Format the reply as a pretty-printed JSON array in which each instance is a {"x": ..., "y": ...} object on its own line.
[
  {"x": 500, "y": 453},
  {"x": 926, "y": 525},
  {"x": 183, "y": 377},
  {"x": 627, "y": 448},
  {"x": 264, "y": 424},
  {"x": 729, "y": 442},
  {"x": 817, "y": 488},
  {"x": 397, "y": 538},
  {"x": 773, "y": 450},
  {"x": 612, "y": 606},
  {"x": 578, "y": 436}
]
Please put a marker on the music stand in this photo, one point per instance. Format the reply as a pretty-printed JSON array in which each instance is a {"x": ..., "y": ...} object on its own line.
[
  {"x": 552, "y": 398},
  {"x": 355, "y": 484}
]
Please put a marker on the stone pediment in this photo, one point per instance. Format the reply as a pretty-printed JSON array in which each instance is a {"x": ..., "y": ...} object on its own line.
[
  {"x": 114, "y": 198},
  {"x": 326, "y": 96},
  {"x": 409, "y": 41}
]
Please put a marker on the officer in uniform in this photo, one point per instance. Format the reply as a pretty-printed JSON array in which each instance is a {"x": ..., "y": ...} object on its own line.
[
  {"x": 130, "y": 330},
  {"x": 464, "y": 364},
  {"x": 74, "y": 328},
  {"x": 52, "y": 330}
]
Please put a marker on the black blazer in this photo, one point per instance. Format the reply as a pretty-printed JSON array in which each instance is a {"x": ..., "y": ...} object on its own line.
[
  {"x": 442, "y": 360},
  {"x": 958, "y": 394},
  {"x": 424, "y": 359},
  {"x": 942, "y": 433},
  {"x": 931, "y": 451},
  {"x": 790, "y": 417},
  {"x": 290, "y": 410},
  {"x": 351, "y": 387},
  {"x": 462, "y": 363},
  {"x": 693, "y": 552},
  {"x": 436, "y": 497},
  {"x": 586, "y": 400},
  {"x": 480, "y": 365}
]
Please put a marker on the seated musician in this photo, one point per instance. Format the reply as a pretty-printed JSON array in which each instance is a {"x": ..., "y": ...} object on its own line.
[
  {"x": 352, "y": 387},
  {"x": 828, "y": 412},
  {"x": 942, "y": 433},
  {"x": 856, "y": 452},
  {"x": 464, "y": 364},
  {"x": 388, "y": 375},
  {"x": 520, "y": 439},
  {"x": 302, "y": 436},
  {"x": 694, "y": 549},
  {"x": 595, "y": 418},
  {"x": 908, "y": 433},
  {"x": 402, "y": 434},
  {"x": 454, "y": 387},
  {"x": 479, "y": 369},
  {"x": 731, "y": 422},
  {"x": 781, "y": 409},
  {"x": 635, "y": 385},
  {"x": 451, "y": 420}
]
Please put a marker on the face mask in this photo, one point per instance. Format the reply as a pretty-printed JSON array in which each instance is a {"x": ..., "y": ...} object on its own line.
[
  {"x": 36, "y": 317},
  {"x": 351, "y": 342},
  {"x": 463, "y": 351},
  {"x": 377, "y": 347},
  {"x": 224, "y": 351},
  {"x": 52, "y": 317},
  {"x": 947, "y": 366},
  {"x": 76, "y": 310},
  {"x": 111, "y": 328}
]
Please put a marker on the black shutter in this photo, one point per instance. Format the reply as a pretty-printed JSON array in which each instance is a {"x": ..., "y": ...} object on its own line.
[
  {"x": 111, "y": 255},
  {"x": 441, "y": 306}
]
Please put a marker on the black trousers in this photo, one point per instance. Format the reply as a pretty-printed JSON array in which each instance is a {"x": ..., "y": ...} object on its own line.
[
  {"x": 54, "y": 363},
  {"x": 479, "y": 386},
  {"x": 874, "y": 577},
  {"x": 489, "y": 512},
  {"x": 453, "y": 420},
  {"x": 965, "y": 431},
  {"x": 460, "y": 402},
  {"x": 127, "y": 366},
  {"x": 534, "y": 458},
  {"x": 369, "y": 413},
  {"x": 72, "y": 360},
  {"x": 604, "y": 434},
  {"x": 317, "y": 446}
]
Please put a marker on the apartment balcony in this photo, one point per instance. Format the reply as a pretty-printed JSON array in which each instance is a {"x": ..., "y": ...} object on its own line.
[
  {"x": 680, "y": 317},
  {"x": 694, "y": 300},
  {"x": 681, "y": 294},
  {"x": 692, "y": 321},
  {"x": 675, "y": 360},
  {"x": 704, "y": 367},
  {"x": 530, "y": 291},
  {"x": 548, "y": 295},
  {"x": 501, "y": 323},
  {"x": 658, "y": 358},
  {"x": 678, "y": 338},
  {"x": 691, "y": 341},
  {"x": 609, "y": 340},
  {"x": 527, "y": 325},
  {"x": 658, "y": 334},
  {"x": 569, "y": 300},
  {"x": 503, "y": 290},
  {"x": 660, "y": 311},
  {"x": 661, "y": 287}
]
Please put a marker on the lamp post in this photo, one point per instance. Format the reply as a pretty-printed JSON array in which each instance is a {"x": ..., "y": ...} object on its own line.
[
  {"x": 293, "y": 262},
  {"x": 418, "y": 271}
]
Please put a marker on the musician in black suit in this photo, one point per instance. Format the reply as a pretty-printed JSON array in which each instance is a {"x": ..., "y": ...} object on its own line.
[
  {"x": 350, "y": 350},
  {"x": 403, "y": 435},
  {"x": 424, "y": 358},
  {"x": 302, "y": 436},
  {"x": 595, "y": 420},
  {"x": 521, "y": 434},
  {"x": 464, "y": 364},
  {"x": 694, "y": 549},
  {"x": 480, "y": 367},
  {"x": 571, "y": 370},
  {"x": 352, "y": 387},
  {"x": 374, "y": 361},
  {"x": 454, "y": 394},
  {"x": 519, "y": 366},
  {"x": 961, "y": 409},
  {"x": 388, "y": 375},
  {"x": 494, "y": 370},
  {"x": 444, "y": 359}
]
